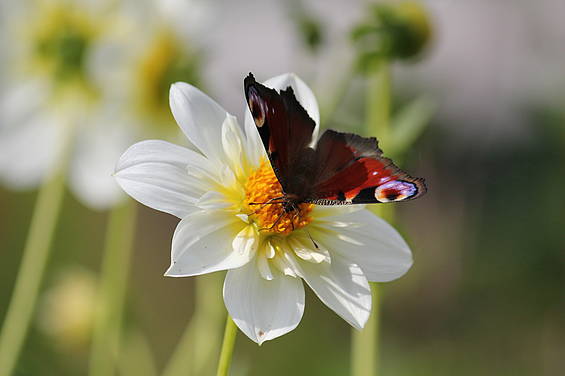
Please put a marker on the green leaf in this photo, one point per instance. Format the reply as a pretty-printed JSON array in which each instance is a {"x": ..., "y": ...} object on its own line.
[{"x": 409, "y": 123}]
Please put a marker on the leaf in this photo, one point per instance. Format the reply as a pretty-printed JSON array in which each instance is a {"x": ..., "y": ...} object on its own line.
[{"x": 410, "y": 123}]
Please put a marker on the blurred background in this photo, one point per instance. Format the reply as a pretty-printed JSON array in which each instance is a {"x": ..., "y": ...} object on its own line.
[{"x": 486, "y": 292}]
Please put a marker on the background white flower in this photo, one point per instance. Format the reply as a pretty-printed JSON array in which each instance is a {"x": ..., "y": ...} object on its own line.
[
  {"x": 211, "y": 191},
  {"x": 105, "y": 69},
  {"x": 47, "y": 87}
]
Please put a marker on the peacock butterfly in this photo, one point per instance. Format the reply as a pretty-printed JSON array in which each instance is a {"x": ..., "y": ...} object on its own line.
[{"x": 340, "y": 169}]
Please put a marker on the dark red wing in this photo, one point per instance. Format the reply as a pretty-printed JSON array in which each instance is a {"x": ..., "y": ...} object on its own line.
[
  {"x": 285, "y": 128},
  {"x": 351, "y": 170}
]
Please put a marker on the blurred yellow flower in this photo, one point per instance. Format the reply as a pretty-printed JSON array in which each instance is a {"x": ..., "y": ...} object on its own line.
[{"x": 67, "y": 309}]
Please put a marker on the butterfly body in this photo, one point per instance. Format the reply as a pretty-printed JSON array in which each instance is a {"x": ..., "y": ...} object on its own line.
[{"x": 338, "y": 169}]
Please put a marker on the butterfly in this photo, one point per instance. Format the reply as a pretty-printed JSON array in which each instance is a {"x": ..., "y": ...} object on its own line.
[{"x": 338, "y": 169}]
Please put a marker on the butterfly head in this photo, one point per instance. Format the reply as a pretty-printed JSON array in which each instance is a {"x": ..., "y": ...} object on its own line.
[{"x": 273, "y": 210}]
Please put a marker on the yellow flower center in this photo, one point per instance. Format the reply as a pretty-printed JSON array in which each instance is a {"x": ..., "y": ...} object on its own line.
[
  {"x": 264, "y": 199},
  {"x": 58, "y": 39},
  {"x": 61, "y": 38}
]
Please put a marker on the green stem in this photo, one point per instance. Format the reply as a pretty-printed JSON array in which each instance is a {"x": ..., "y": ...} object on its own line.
[
  {"x": 227, "y": 347},
  {"x": 34, "y": 261},
  {"x": 136, "y": 358},
  {"x": 196, "y": 351},
  {"x": 378, "y": 102},
  {"x": 365, "y": 343},
  {"x": 115, "y": 271}
]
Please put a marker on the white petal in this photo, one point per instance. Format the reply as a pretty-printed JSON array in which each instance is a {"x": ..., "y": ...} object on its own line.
[
  {"x": 232, "y": 139},
  {"x": 269, "y": 250},
  {"x": 254, "y": 148},
  {"x": 192, "y": 18},
  {"x": 284, "y": 267},
  {"x": 202, "y": 243},
  {"x": 20, "y": 101},
  {"x": 262, "y": 309},
  {"x": 155, "y": 173},
  {"x": 305, "y": 97},
  {"x": 199, "y": 117},
  {"x": 243, "y": 217},
  {"x": 305, "y": 248},
  {"x": 342, "y": 287},
  {"x": 264, "y": 268},
  {"x": 284, "y": 259},
  {"x": 371, "y": 243},
  {"x": 323, "y": 212},
  {"x": 302, "y": 92},
  {"x": 97, "y": 148},
  {"x": 29, "y": 150},
  {"x": 213, "y": 200},
  {"x": 246, "y": 242}
]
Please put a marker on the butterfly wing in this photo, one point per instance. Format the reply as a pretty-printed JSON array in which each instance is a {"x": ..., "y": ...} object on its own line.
[
  {"x": 343, "y": 169},
  {"x": 350, "y": 169},
  {"x": 286, "y": 131}
]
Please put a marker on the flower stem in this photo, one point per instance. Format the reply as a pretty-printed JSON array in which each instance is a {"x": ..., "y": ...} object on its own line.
[
  {"x": 112, "y": 289},
  {"x": 34, "y": 261},
  {"x": 378, "y": 102},
  {"x": 365, "y": 343},
  {"x": 227, "y": 347},
  {"x": 196, "y": 351}
]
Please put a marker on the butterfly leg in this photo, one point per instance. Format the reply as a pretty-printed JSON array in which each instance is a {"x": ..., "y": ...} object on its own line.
[
  {"x": 277, "y": 221},
  {"x": 296, "y": 214}
]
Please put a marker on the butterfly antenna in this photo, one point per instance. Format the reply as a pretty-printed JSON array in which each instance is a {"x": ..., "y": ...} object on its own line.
[{"x": 269, "y": 202}]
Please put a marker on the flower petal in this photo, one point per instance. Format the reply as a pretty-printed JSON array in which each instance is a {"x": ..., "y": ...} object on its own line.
[
  {"x": 20, "y": 101},
  {"x": 213, "y": 200},
  {"x": 263, "y": 309},
  {"x": 246, "y": 241},
  {"x": 199, "y": 117},
  {"x": 232, "y": 142},
  {"x": 306, "y": 249},
  {"x": 29, "y": 150},
  {"x": 368, "y": 241},
  {"x": 98, "y": 146},
  {"x": 303, "y": 93},
  {"x": 342, "y": 286},
  {"x": 305, "y": 97},
  {"x": 155, "y": 173},
  {"x": 202, "y": 243},
  {"x": 264, "y": 268}
]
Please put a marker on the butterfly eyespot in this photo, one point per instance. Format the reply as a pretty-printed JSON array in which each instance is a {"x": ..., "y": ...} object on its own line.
[
  {"x": 396, "y": 190},
  {"x": 257, "y": 108}
]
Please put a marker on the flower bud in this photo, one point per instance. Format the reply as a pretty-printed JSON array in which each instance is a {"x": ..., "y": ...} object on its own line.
[{"x": 396, "y": 30}]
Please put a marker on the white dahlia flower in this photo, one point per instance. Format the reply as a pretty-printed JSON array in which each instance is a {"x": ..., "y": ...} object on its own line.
[
  {"x": 100, "y": 68},
  {"x": 211, "y": 189}
]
